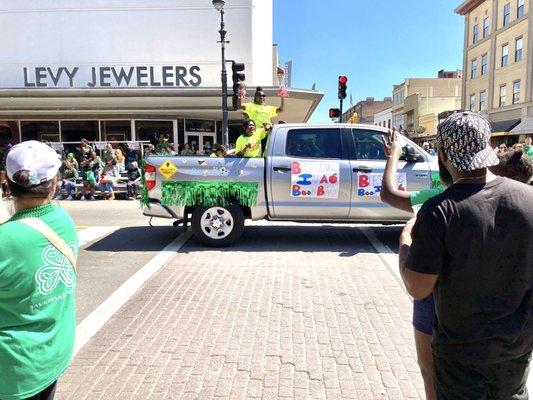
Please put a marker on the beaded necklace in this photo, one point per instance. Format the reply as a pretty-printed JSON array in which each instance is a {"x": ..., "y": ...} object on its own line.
[{"x": 34, "y": 212}]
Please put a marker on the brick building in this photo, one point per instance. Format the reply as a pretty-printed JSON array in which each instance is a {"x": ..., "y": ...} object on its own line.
[{"x": 365, "y": 110}]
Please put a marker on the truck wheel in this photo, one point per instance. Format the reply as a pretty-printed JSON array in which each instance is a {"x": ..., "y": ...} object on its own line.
[{"x": 218, "y": 226}]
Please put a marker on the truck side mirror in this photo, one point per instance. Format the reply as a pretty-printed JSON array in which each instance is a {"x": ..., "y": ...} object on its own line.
[{"x": 412, "y": 155}]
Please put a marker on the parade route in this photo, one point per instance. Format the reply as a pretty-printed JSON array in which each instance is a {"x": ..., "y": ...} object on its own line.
[{"x": 289, "y": 312}]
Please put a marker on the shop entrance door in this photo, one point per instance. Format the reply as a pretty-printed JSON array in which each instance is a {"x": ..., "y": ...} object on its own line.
[{"x": 203, "y": 143}]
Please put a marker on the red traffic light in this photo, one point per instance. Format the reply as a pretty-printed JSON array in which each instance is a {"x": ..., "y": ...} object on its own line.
[
  {"x": 334, "y": 113},
  {"x": 343, "y": 80}
]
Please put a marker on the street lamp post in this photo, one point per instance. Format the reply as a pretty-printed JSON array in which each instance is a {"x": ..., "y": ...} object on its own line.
[{"x": 219, "y": 6}]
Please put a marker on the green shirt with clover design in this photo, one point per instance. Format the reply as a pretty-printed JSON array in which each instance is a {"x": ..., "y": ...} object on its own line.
[{"x": 37, "y": 303}]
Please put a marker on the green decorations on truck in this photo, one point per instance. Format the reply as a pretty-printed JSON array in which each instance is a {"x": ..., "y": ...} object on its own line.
[{"x": 209, "y": 193}]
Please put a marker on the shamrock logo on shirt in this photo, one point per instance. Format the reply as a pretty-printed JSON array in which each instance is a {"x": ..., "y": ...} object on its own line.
[{"x": 56, "y": 269}]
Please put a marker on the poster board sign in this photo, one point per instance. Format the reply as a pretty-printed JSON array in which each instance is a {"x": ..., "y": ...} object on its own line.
[
  {"x": 57, "y": 146},
  {"x": 133, "y": 145},
  {"x": 315, "y": 179},
  {"x": 369, "y": 184},
  {"x": 100, "y": 145}
]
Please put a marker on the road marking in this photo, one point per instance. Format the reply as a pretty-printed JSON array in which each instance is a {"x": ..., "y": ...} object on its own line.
[
  {"x": 93, "y": 233},
  {"x": 389, "y": 257},
  {"x": 87, "y": 328}
]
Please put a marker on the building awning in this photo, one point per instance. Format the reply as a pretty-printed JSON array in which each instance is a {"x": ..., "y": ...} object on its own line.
[
  {"x": 502, "y": 128},
  {"x": 524, "y": 127},
  {"x": 200, "y": 103}
]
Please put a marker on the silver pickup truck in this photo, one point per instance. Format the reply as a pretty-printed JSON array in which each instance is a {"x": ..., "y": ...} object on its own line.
[{"x": 309, "y": 173}]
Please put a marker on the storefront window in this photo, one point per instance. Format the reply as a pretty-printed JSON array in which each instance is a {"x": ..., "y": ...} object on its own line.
[
  {"x": 151, "y": 130},
  {"x": 74, "y": 131},
  {"x": 46, "y": 131},
  {"x": 116, "y": 131},
  {"x": 8, "y": 132}
]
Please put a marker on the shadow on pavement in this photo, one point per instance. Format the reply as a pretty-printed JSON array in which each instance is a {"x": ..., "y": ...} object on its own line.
[
  {"x": 347, "y": 241},
  {"x": 389, "y": 235},
  {"x": 137, "y": 238}
]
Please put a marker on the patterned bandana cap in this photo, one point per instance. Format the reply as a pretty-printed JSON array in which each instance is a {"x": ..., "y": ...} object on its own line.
[{"x": 465, "y": 138}]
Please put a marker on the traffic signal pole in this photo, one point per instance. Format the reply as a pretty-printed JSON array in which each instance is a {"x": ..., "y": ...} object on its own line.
[
  {"x": 225, "y": 137},
  {"x": 343, "y": 80}
]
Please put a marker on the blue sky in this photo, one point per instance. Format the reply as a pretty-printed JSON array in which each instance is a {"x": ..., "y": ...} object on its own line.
[{"x": 375, "y": 43}]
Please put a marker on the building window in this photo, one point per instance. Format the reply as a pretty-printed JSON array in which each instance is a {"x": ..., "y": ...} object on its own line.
[
  {"x": 503, "y": 92},
  {"x": 516, "y": 92},
  {"x": 473, "y": 69},
  {"x": 482, "y": 100},
  {"x": 520, "y": 11},
  {"x": 44, "y": 131},
  {"x": 505, "y": 55},
  {"x": 506, "y": 14},
  {"x": 486, "y": 27},
  {"x": 475, "y": 34},
  {"x": 518, "y": 49},
  {"x": 484, "y": 64},
  {"x": 472, "y": 102}
]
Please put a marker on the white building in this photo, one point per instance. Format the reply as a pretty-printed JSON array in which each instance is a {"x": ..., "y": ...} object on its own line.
[
  {"x": 126, "y": 69},
  {"x": 384, "y": 118}
]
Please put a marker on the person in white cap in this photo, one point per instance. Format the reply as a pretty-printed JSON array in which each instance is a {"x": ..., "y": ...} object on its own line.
[{"x": 37, "y": 278}]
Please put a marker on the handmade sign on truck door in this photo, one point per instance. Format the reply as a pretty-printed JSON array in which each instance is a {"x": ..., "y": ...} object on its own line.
[
  {"x": 315, "y": 179},
  {"x": 369, "y": 184}
]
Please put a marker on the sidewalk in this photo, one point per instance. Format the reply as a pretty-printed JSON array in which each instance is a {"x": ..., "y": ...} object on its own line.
[{"x": 318, "y": 316}]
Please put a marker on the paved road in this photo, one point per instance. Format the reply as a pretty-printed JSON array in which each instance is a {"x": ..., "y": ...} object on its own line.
[{"x": 290, "y": 312}]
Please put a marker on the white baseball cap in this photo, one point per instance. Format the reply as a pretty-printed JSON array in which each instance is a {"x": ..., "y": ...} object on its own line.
[{"x": 40, "y": 160}]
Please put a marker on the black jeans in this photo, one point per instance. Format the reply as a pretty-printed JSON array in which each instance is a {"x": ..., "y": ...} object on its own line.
[
  {"x": 499, "y": 381},
  {"x": 46, "y": 394}
]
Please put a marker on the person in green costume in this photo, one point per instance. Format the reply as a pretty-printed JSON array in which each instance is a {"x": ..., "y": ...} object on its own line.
[
  {"x": 37, "y": 280},
  {"x": 528, "y": 148}
]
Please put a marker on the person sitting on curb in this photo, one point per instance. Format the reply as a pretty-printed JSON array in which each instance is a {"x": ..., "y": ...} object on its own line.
[{"x": 108, "y": 179}]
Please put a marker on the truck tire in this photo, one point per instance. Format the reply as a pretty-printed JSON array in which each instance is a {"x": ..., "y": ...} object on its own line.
[{"x": 218, "y": 226}]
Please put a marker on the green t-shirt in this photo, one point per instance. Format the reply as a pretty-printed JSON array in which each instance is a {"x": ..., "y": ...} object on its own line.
[
  {"x": 37, "y": 303},
  {"x": 254, "y": 140},
  {"x": 260, "y": 114},
  {"x": 420, "y": 197},
  {"x": 529, "y": 151}
]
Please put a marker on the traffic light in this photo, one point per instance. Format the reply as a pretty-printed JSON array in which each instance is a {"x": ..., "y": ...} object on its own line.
[
  {"x": 237, "y": 77},
  {"x": 354, "y": 119},
  {"x": 334, "y": 113},
  {"x": 342, "y": 87}
]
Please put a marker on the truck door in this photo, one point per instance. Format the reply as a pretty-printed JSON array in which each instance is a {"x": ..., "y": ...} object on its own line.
[
  {"x": 368, "y": 168},
  {"x": 309, "y": 175}
]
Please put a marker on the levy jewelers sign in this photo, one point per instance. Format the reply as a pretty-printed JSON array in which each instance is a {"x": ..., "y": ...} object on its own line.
[{"x": 112, "y": 76}]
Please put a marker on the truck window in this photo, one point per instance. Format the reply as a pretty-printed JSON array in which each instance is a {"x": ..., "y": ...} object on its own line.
[
  {"x": 314, "y": 143},
  {"x": 368, "y": 145}
]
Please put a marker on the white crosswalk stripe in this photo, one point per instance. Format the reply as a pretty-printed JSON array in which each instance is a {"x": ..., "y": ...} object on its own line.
[{"x": 92, "y": 233}]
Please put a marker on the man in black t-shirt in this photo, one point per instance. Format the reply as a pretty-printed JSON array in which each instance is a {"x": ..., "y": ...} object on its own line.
[{"x": 473, "y": 247}]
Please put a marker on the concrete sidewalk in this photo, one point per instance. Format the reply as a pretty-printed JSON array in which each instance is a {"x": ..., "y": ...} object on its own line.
[{"x": 316, "y": 316}]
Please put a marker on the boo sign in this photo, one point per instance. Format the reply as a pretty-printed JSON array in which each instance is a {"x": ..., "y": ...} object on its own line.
[
  {"x": 369, "y": 184},
  {"x": 315, "y": 179}
]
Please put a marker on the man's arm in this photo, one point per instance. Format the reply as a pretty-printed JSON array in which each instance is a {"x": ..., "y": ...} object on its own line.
[
  {"x": 240, "y": 96},
  {"x": 389, "y": 189},
  {"x": 418, "y": 285}
]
